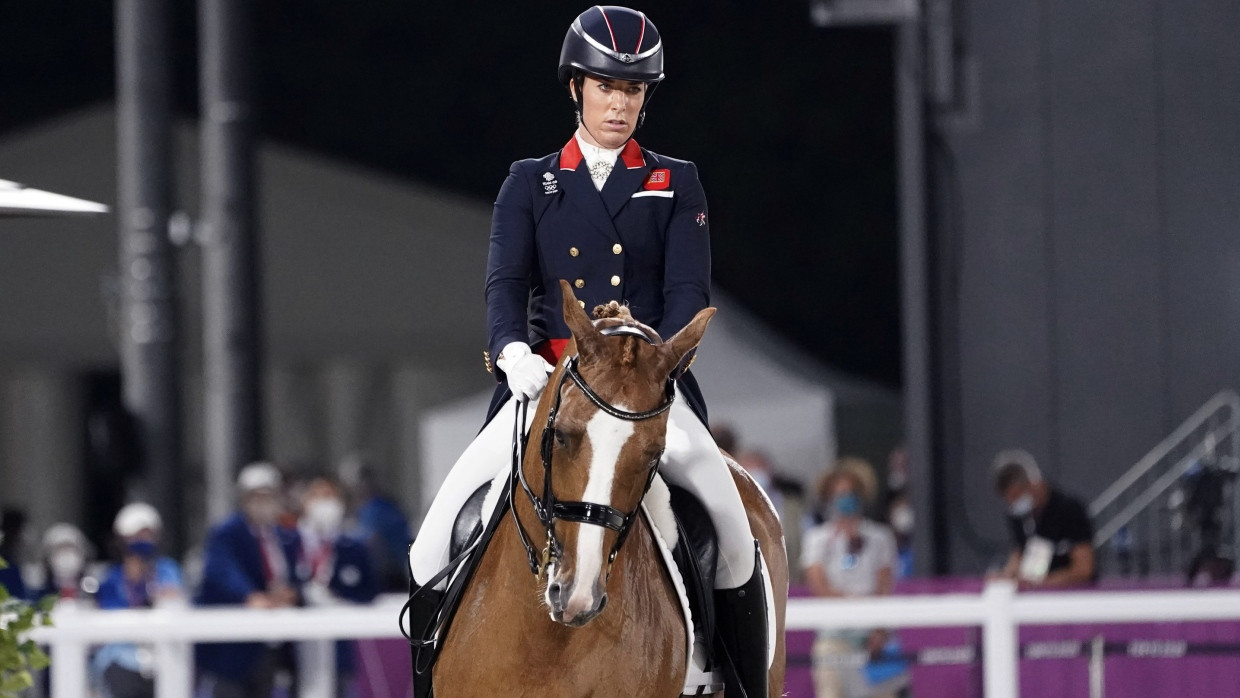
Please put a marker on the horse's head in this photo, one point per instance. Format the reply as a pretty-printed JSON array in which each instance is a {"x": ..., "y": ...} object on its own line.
[{"x": 608, "y": 422}]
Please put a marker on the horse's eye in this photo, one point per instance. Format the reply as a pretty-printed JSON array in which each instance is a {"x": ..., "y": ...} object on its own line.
[
  {"x": 654, "y": 462},
  {"x": 559, "y": 437}
]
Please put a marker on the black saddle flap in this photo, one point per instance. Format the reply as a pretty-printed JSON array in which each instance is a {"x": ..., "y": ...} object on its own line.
[
  {"x": 695, "y": 554},
  {"x": 468, "y": 524}
]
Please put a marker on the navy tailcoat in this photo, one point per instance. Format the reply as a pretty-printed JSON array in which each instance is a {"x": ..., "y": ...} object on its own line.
[{"x": 644, "y": 240}]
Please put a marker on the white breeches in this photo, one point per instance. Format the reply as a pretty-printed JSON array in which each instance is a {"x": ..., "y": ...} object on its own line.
[{"x": 691, "y": 460}]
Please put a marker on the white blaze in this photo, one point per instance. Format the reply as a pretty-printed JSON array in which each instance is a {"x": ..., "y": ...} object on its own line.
[{"x": 607, "y": 436}]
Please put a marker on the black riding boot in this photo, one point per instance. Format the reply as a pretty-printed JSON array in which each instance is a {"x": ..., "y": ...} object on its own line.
[
  {"x": 740, "y": 622},
  {"x": 424, "y": 607}
]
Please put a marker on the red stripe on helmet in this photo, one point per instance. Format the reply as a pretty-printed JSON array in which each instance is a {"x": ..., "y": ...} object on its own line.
[
  {"x": 641, "y": 36},
  {"x": 614, "y": 47}
]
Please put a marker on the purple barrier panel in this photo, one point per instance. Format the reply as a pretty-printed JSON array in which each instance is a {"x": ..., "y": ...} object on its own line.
[
  {"x": 799, "y": 681},
  {"x": 1048, "y": 677},
  {"x": 384, "y": 669},
  {"x": 1151, "y": 662},
  {"x": 945, "y": 670}
]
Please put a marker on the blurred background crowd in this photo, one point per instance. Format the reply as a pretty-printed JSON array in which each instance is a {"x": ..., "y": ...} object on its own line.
[
  {"x": 295, "y": 539},
  {"x": 305, "y": 538}
]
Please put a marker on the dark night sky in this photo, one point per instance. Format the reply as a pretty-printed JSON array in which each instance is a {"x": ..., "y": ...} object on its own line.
[{"x": 791, "y": 126}]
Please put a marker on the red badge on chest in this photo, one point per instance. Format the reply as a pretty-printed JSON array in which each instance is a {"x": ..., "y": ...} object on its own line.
[{"x": 658, "y": 179}]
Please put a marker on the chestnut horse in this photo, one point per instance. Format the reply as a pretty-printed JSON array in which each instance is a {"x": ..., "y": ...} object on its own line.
[{"x": 518, "y": 633}]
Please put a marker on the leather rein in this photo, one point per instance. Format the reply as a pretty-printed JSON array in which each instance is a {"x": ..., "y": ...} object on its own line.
[{"x": 547, "y": 507}]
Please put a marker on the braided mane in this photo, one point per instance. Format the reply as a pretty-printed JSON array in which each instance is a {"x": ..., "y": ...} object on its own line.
[
  {"x": 612, "y": 309},
  {"x": 619, "y": 314}
]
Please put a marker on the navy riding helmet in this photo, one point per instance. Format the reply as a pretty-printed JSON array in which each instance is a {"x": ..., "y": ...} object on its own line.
[
  {"x": 612, "y": 42},
  {"x": 608, "y": 41}
]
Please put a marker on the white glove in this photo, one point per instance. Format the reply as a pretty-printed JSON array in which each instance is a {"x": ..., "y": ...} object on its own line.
[{"x": 526, "y": 371}]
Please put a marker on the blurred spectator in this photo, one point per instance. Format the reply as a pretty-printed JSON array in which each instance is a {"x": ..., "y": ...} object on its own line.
[
  {"x": 12, "y": 528},
  {"x": 902, "y": 521},
  {"x": 381, "y": 523},
  {"x": 249, "y": 560},
  {"x": 897, "y": 471},
  {"x": 142, "y": 579},
  {"x": 66, "y": 557},
  {"x": 1052, "y": 536},
  {"x": 291, "y": 497},
  {"x": 338, "y": 566},
  {"x": 900, "y": 514},
  {"x": 850, "y": 556},
  {"x": 64, "y": 572}
]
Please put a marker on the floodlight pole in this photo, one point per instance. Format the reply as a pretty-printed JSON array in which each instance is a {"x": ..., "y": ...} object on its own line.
[
  {"x": 149, "y": 327},
  {"x": 228, "y": 235},
  {"x": 918, "y": 351}
]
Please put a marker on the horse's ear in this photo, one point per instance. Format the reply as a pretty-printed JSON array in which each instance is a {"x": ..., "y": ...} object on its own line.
[
  {"x": 575, "y": 317},
  {"x": 675, "y": 349}
]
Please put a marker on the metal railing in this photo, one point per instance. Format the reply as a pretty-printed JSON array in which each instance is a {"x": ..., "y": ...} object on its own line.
[
  {"x": 998, "y": 610},
  {"x": 1177, "y": 503}
]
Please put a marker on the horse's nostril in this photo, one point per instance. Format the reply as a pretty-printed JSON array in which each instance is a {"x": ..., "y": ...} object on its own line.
[
  {"x": 602, "y": 603},
  {"x": 555, "y": 594}
]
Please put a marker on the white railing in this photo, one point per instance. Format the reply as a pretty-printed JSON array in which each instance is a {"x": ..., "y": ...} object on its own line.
[{"x": 999, "y": 610}]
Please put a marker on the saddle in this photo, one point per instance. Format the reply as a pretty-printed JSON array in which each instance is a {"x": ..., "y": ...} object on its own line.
[{"x": 695, "y": 554}]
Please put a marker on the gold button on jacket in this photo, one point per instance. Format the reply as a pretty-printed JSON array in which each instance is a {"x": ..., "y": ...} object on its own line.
[
  {"x": 617, "y": 248},
  {"x": 574, "y": 251},
  {"x": 580, "y": 283},
  {"x": 615, "y": 281}
]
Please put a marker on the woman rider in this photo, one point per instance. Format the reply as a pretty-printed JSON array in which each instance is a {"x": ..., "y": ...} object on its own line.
[{"x": 619, "y": 222}]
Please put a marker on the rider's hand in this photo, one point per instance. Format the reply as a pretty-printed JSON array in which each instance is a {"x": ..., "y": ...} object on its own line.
[{"x": 526, "y": 371}]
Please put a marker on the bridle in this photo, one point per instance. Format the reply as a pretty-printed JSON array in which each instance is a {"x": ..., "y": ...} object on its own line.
[{"x": 546, "y": 507}]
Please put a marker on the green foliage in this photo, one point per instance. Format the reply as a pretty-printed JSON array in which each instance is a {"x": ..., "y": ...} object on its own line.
[{"x": 19, "y": 656}]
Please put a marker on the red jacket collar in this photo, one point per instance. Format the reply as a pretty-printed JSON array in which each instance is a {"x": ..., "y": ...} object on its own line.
[{"x": 570, "y": 155}]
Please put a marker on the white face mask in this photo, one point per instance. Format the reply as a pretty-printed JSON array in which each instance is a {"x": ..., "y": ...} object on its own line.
[
  {"x": 66, "y": 564},
  {"x": 902, "y": 519},
  {"x": 1022, "y": 507},
  {"x": 325, "y": 515}
]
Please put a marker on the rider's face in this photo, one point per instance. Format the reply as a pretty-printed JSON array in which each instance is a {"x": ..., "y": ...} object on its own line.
[{"x": 609, "y": 110}]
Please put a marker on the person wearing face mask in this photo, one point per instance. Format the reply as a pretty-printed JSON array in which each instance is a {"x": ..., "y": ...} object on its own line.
[
  {"x": 66, "y": 558},
  {"x": 900, "y": 514},
  {"x": 337, "y": 566},
  {"x": 141, "y": 579},
  {"x": 379, "y": 521},
  {"x": 902, "y": 520},
  {"x": 621, "y": 223},
  {"x": 1052, "y": 536},
  {"x": 847, "y": 556},
  {"x": 249, "y": 560}
]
